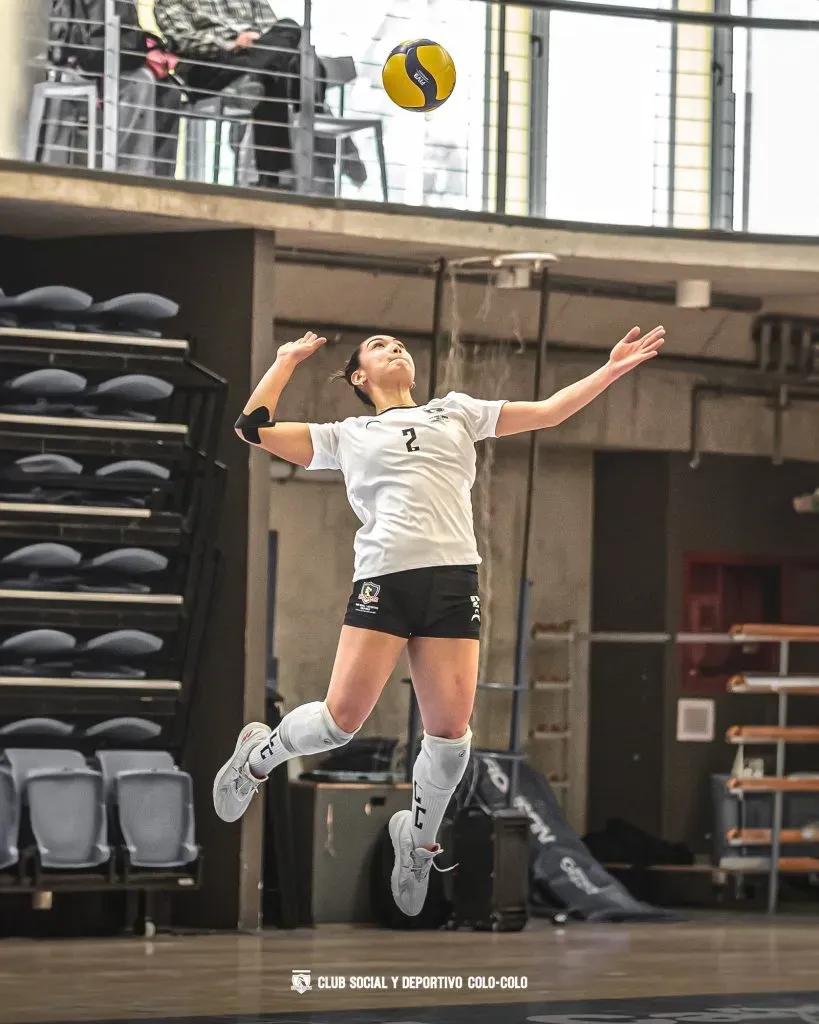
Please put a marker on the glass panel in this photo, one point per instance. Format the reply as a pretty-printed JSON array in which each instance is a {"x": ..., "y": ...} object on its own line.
[
  {"x": 607, "y": 134},
  {"x": 784, "y": 144},
  {"x": 433, "y": 159}
]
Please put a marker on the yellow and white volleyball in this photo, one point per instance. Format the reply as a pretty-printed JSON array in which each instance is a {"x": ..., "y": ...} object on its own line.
[{"x": 419, "y": 75}]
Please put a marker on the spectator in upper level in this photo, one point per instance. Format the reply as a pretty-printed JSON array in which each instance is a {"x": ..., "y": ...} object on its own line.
[{"x": 221, "y": 40}]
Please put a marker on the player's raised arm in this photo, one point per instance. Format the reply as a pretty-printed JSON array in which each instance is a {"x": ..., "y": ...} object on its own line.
[
  {"x": 257, "y": 426},
  {"x": 629, "y": 353}
]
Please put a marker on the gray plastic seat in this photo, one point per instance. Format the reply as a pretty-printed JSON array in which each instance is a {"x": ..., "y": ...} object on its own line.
[
  {"x": 135, "y": 467},
  {"x": 39, "y": 642},
  {"x": 44, "y": 556},
  {"x": 50, "y": 382},
  {"x": 131, "y": 560},
  {"x": 134, "y": 387},
  {"x": 47, "y": 463},
  {"x": 50, "y": 299},
  {"x": 124, "y": 730},
  {"x": 154, "y": 800},
  {"x": 136, "y": 306},
  {"x": 36, "y": 727},
  {"x": 9, "y": 820},
  {"x": 124, "y": 643},
  {"x": 66, "y": 803}
]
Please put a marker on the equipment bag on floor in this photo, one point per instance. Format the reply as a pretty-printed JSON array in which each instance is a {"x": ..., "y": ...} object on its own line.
[{"x": 563, "y": 873}]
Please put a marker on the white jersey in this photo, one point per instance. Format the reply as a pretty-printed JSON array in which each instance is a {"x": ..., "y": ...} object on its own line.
[{"x": 409, "y": 473}]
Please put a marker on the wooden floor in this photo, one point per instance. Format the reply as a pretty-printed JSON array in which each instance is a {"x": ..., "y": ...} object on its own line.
[{"x": 213, "y": 976}]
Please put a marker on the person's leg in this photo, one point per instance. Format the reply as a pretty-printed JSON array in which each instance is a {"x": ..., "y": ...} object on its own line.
[
  {"x": 271, "y": 132},
  {"x": 443, "y": 654},
  {"x": 364, "y": 662},
  {"x": 169, "y": 108},
  {"x": 444, "y": 675}
]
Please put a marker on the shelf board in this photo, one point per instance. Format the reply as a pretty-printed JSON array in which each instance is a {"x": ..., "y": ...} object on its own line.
[
  {"x": 74, "y": 510},
  {"x": 774, "y": 784},
  {"x": 547, "y": 685},
  {"x": 544, "y": 736},
  {"x": 789, "y": 685},
  {"x": 132, "y": 341},
  {"x": 82, "y": 683},
  {"x": 755, "y": 866},
  {"x": 763, "y": 836},
  {"x": 79, "y": 423},
  {"x": 758, "y": 632},
  {"x": 551, "y": 636},
  {"x": 76, "y": 597},
  {"x": 749, "y": 734}
]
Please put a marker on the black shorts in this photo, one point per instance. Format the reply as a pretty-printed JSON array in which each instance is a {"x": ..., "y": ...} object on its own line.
[{"x": 439, "y": 601}]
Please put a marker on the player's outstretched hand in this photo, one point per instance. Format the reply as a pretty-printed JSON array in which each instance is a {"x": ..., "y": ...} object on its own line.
[
  {"x": 298, "y": 351},
  {"x": 634, "y": 349}
]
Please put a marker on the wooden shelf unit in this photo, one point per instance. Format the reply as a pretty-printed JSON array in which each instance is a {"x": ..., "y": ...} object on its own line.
[{"x": 782, "y": 685}]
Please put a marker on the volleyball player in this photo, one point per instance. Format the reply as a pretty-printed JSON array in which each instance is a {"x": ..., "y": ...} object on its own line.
[{"x": 408, "y": 470}]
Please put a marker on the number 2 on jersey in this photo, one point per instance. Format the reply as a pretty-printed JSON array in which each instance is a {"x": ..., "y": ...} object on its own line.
[{"x": 411, "y": 437}]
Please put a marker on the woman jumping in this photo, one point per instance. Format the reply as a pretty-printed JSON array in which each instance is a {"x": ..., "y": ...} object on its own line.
[{"x": 409, "y": 471}]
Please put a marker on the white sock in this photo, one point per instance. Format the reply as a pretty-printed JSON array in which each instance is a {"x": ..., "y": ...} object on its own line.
[
  {"x": 438, "y": 769},
  {"x": 308, "y": 729}
]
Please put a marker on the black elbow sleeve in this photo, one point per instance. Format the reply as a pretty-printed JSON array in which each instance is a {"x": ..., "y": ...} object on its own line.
[{"x": 248, "y": 424}]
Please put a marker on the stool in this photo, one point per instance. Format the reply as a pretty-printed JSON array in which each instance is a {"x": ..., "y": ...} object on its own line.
[
  {"x": 233, "y": 106},
  {"x": 74, "y": 91}
]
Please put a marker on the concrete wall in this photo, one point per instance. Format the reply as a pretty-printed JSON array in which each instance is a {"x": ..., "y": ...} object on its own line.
[
  {"x": 648, "y": 410},
  {"x": 395, "y": 302}
]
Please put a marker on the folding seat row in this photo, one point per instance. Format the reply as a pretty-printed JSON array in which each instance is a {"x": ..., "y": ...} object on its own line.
[
  {"x": 59, "y": 308},
  {"x": 75, "y": 812},
  {"x": 117, "y": 654},
  {"x": 110, "y": 494}
]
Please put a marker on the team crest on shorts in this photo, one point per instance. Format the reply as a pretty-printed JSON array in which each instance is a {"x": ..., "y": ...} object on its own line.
[{"x": 369, "y": 593}]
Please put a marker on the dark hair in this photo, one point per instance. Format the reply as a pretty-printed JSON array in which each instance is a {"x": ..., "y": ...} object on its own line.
[{"x": 353, "y": 364}]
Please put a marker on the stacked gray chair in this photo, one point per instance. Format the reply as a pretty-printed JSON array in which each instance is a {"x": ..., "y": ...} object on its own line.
[
  {"x": 66, "y": 805},
  {"x": 154, "y": 804}
]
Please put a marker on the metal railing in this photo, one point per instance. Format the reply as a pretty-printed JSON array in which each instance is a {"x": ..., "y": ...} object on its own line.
[{"x": 629, "y": 112}]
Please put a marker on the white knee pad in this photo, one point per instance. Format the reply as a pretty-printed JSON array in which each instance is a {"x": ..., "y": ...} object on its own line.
[
  {"x": 446, "y": 760},
  {"x": 311, "y": 729}
]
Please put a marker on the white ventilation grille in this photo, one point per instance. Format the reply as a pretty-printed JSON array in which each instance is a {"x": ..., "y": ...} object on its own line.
[{"x": 695, "y": 721}]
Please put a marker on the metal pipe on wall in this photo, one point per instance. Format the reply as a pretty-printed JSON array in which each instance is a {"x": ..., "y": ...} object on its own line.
[
  {"x": 782, "y": 398},
  {"x": 524, "y": 586}
]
